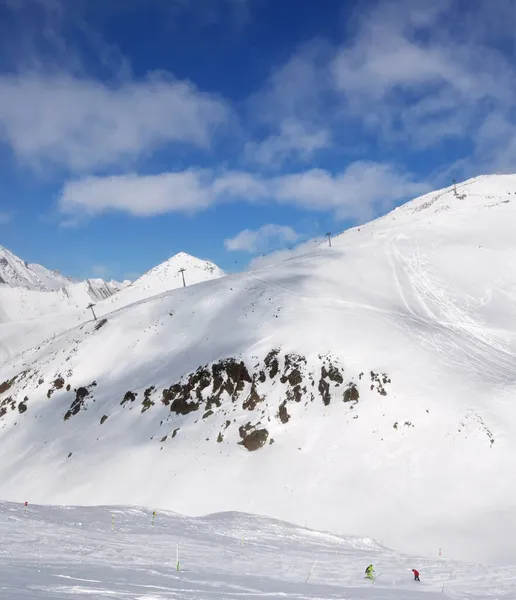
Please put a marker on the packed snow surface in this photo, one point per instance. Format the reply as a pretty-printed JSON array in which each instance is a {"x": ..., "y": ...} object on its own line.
[
  {"x": 59, "y": 552},
  {"x": 365, "y": 388}
]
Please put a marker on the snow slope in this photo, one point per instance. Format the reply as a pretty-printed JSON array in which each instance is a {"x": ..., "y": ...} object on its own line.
[
  {"x": 365, "y": 388},
  {"x": 72, "y": 552}
]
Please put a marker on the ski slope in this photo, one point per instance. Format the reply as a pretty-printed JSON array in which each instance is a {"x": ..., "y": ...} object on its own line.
[
  {"x": 376, "y": 395},
  {"x": 54, "y": 552}
]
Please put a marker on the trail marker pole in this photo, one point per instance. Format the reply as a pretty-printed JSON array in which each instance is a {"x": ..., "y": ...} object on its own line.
[
  {"x": 25, "y": 507},
  {"x": 153, "y": 517},
  {"x": 177, "y": 558},
  {"x": 113, "y": 522},
  {"x": 313, "y": 567},
  {"x": 328, "y": 235}
]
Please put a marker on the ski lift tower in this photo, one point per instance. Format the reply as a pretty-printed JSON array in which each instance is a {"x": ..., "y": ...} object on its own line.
[
  {"x": 182, "y": 271},
  {"x": 90, "y": 306}
]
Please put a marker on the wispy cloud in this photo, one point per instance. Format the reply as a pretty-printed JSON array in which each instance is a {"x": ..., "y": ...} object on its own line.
[
  {"x": 84, "y": 124},
  {"x": 409, "y": 76},
  {"x": 295, "y": 140},
  {"x": 5, "y": 218},
  {"x": 263, "y": 239},
  {"x": 355, "y": 193}
]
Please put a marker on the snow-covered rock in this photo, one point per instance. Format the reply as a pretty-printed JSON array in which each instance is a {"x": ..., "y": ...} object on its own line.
[{"x": 366, "y": 387}]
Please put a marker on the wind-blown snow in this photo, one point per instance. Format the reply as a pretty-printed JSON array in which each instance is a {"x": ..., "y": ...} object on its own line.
[
  {"x": 414, "y": 312},
  {"x": 71, "y": 552}
]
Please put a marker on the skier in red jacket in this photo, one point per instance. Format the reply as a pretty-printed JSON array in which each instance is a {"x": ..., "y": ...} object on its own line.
[{"x": 416, "y": 574}]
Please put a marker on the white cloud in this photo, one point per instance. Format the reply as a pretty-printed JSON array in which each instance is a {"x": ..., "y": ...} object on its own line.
[
  {"x": 355, "y": 193},
  {"x": 262, "y": 239},
  {"x": 294, "y": 140},
  {"x": 140, "y": 196},
  {"x": 83, "y": 124}
]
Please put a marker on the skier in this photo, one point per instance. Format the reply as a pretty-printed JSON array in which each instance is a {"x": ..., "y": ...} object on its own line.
[
  {"x": 416, "y": 574},
  {"x": 369, "y": 572}
]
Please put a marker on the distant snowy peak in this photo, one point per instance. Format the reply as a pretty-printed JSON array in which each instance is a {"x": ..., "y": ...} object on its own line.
[
  {"x": 195, "y": 270},
  {"x": 169, "y": 274},
  {"x": 15, "y": 272},
  {"x": 165, "y": 277}
]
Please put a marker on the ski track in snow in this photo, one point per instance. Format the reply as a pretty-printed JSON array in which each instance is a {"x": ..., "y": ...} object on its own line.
[
  {"x": 73, "y": 552},
  {"x": 455, "y": 332}
]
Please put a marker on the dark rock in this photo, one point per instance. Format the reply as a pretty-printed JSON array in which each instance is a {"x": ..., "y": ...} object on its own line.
[
  {"x": 272, "y": 364},
  {"x": 283, "y": 415},
  {"x": 255, "y": 439},
  {"x": 128, "y": 397},
  {"x": 147, "y": 402},
  {"x": 58, "y": 383},
  {"x": 6, "y": 385},
  {"x": 252, "y": 400},
  {"x": 324, "y": 391},
  {"x": 103, "y": 419},
  {"x": 80, "y": 396},
  {"x": 351, "y": 394}
]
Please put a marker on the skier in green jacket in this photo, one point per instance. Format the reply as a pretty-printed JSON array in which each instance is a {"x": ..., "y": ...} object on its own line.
[{"x": 369, "y": 572}]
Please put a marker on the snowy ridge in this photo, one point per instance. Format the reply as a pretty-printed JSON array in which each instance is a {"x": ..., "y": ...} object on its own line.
[
  {"x": 164, "y": 278},
  {"x": 17, "y": 273},
  {"x": 117, "y": 552},
  {"x": 366, "y": 388}
]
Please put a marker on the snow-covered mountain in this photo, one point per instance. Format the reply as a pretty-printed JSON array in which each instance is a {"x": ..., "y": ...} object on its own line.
[
  {"x": 181, "y": 269},
  {"x": 29, "y": 291},
  {"x": 33, "y": 306},
  {"x": 15, "y": 272},
  {"x": 367, "y": 388}
]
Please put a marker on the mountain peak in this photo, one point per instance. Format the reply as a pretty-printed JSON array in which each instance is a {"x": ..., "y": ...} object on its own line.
[{"x": 16, "y": 272}]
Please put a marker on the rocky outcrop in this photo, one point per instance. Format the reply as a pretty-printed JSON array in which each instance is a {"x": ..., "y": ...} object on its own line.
[
  {"x": 252, "y": 438},
  {"x": 276, "y": 389}
]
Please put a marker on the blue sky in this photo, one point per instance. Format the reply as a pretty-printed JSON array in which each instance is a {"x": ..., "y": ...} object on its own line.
[{"x": 134, "y": 129}]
